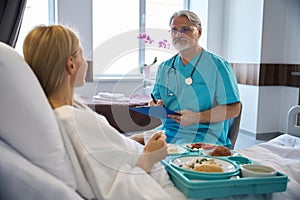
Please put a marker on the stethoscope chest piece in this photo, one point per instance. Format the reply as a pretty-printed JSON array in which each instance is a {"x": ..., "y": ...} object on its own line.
[{"x": 188, "y": 81}]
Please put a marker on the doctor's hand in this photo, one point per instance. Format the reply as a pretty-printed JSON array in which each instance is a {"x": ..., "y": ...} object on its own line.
[
  {"x": 186, "y": 118},
  {"x": 158, "y": 103}
]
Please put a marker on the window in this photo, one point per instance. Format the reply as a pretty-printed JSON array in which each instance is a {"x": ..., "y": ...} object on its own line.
[
  {"x": 158, "y": 14},
  {"x": 33, "y": 9},
  {"x": 117, "y": 48}
]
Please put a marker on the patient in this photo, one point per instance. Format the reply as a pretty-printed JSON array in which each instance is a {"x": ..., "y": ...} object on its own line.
[{"x": 115, "y": 166}]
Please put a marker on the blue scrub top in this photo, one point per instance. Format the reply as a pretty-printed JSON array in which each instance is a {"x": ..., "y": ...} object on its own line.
[{"x": 214, "y": 83}]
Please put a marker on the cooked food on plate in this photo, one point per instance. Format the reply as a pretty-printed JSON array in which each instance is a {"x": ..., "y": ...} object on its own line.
[
  {"x": 208, "y": 168},
  {"x": 220, "y": 151},
  {"x": 200, "y": 145},
  {"x": 203, "y": 165}
]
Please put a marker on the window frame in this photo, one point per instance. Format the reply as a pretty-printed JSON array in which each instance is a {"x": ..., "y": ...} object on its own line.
[
  {"x": 52, "y": 19},
  {"x": 141, "y": 45}
]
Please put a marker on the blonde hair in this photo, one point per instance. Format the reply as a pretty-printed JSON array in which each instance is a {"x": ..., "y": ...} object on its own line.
[{"x": 46, "y": 49}]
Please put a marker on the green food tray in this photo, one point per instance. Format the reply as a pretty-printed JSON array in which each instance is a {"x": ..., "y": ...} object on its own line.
[{"x": 193, "y": 188}]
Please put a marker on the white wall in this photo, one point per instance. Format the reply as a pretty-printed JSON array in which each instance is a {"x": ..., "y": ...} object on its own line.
[
  {"x": 242, "y": 31},
  {"x": 292, "y": 43},
  {"x": 288, "y": 98},
  {"x": 265, "y": 108},
  {"x": 215, "y": 30},
  {"x": 78, "y": 14},
  {"x": 274, "y": 104},
  {"x": 201, "y": 8},
  {"x": 281, "y": 30},
  {"x": 249, "y": 97},
  {"x": 231, "y": 31}
]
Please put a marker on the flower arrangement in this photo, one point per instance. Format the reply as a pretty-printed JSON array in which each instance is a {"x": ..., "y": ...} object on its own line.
[{"x": 148, "y": 40}]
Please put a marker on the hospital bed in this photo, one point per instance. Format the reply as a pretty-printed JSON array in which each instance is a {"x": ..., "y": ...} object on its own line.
[{"x": 283, "y": 154}]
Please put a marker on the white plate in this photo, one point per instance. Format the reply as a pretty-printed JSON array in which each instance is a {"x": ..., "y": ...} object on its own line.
[
  {"x": 174, "y": 149},
  {"x": 188, "y": 146},
  {"x": 226, "y": 165}
]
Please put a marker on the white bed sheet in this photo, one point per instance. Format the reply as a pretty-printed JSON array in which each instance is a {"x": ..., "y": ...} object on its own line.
[{"x": 283, "y": 154}]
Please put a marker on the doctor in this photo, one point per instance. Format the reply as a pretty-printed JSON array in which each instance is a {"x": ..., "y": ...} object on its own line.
[{"x": 198, "y": 84}]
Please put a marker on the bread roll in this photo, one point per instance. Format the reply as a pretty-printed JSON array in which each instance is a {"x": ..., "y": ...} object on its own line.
[{"x": 220, "y": 151}]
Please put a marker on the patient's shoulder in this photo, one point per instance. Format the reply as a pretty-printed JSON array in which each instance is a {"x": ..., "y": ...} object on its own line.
[{"x": 79, "y": 115}]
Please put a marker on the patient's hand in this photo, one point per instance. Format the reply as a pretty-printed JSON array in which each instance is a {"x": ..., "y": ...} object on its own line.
[
  {"x": 139, "y": 137},
  {"x": 154, "y": 151},
  {"x": 157, "y": 146}
]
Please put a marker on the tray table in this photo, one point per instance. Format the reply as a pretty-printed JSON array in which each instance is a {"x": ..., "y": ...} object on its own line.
[{"x": 236, "y": 185}]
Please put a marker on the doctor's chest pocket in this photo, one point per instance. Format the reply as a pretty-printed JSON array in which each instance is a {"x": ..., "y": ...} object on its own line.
[{"x": 197, "y": 96}]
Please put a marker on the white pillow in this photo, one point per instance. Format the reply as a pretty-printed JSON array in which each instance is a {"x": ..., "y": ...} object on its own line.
[
  {"x": 27, "y": 121},
  {"x": 20, "y": 179}
]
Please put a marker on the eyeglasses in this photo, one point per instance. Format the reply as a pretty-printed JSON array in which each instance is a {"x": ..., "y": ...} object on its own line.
[{"x": 183, "y": 30}]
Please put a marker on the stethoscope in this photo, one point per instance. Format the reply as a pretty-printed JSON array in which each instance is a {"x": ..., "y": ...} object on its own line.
[{"x": 187, "y": 81}]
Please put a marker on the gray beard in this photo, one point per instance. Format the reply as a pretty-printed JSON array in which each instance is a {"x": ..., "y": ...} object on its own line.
[{"x": 181, "y": 47}]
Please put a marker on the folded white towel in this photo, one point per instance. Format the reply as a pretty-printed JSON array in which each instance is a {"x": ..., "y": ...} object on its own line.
[{"x": 110, "y": 96}]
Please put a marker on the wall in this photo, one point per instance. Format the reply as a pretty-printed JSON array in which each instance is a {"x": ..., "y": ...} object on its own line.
[
  {"x": 78, "y": 14},
  {"x": 252, "y": 47},
  {"x": 216, "y": 26},
  {"x": 280, "y": 45},
  {"x": 249, "y": 96},
  {"x": 280, "y": 34},
  {"x": 274, "y": 103},
  {"x": 201, "y": 8}
]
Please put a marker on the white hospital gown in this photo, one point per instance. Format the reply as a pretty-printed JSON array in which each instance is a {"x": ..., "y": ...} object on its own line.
[{"x": 109, "y": 159}]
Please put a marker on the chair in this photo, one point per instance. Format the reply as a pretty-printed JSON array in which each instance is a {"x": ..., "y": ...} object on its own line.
[
  {"x": 291, "y": 124},
  {"x": 234, "y": 128},
  {"x": 11, "y": 15}
]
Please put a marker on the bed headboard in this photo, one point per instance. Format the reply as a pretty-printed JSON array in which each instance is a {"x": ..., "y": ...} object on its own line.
[{"x": 292, "y": 127}]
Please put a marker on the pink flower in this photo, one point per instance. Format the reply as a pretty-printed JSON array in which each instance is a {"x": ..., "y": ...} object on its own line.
[
  {"x": 164, "y": 44},
  {"x": 145, "y": 37}
]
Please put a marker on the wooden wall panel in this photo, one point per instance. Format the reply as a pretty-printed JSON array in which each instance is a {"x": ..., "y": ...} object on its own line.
[{"x": 267, "y": 74}]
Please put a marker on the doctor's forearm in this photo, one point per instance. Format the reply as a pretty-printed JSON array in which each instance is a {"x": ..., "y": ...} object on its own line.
[{"x": 220, "y": 113}]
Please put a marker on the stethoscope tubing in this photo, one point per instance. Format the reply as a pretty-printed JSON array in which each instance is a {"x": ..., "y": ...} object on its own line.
[{"x": 175, "y": 73}]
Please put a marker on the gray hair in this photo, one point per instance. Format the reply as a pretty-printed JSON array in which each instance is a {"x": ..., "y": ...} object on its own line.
[{"x": 192, "y": 17}]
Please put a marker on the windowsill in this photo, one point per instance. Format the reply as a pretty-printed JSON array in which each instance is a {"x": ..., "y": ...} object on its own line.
[{"x": 121, "y": 78}]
